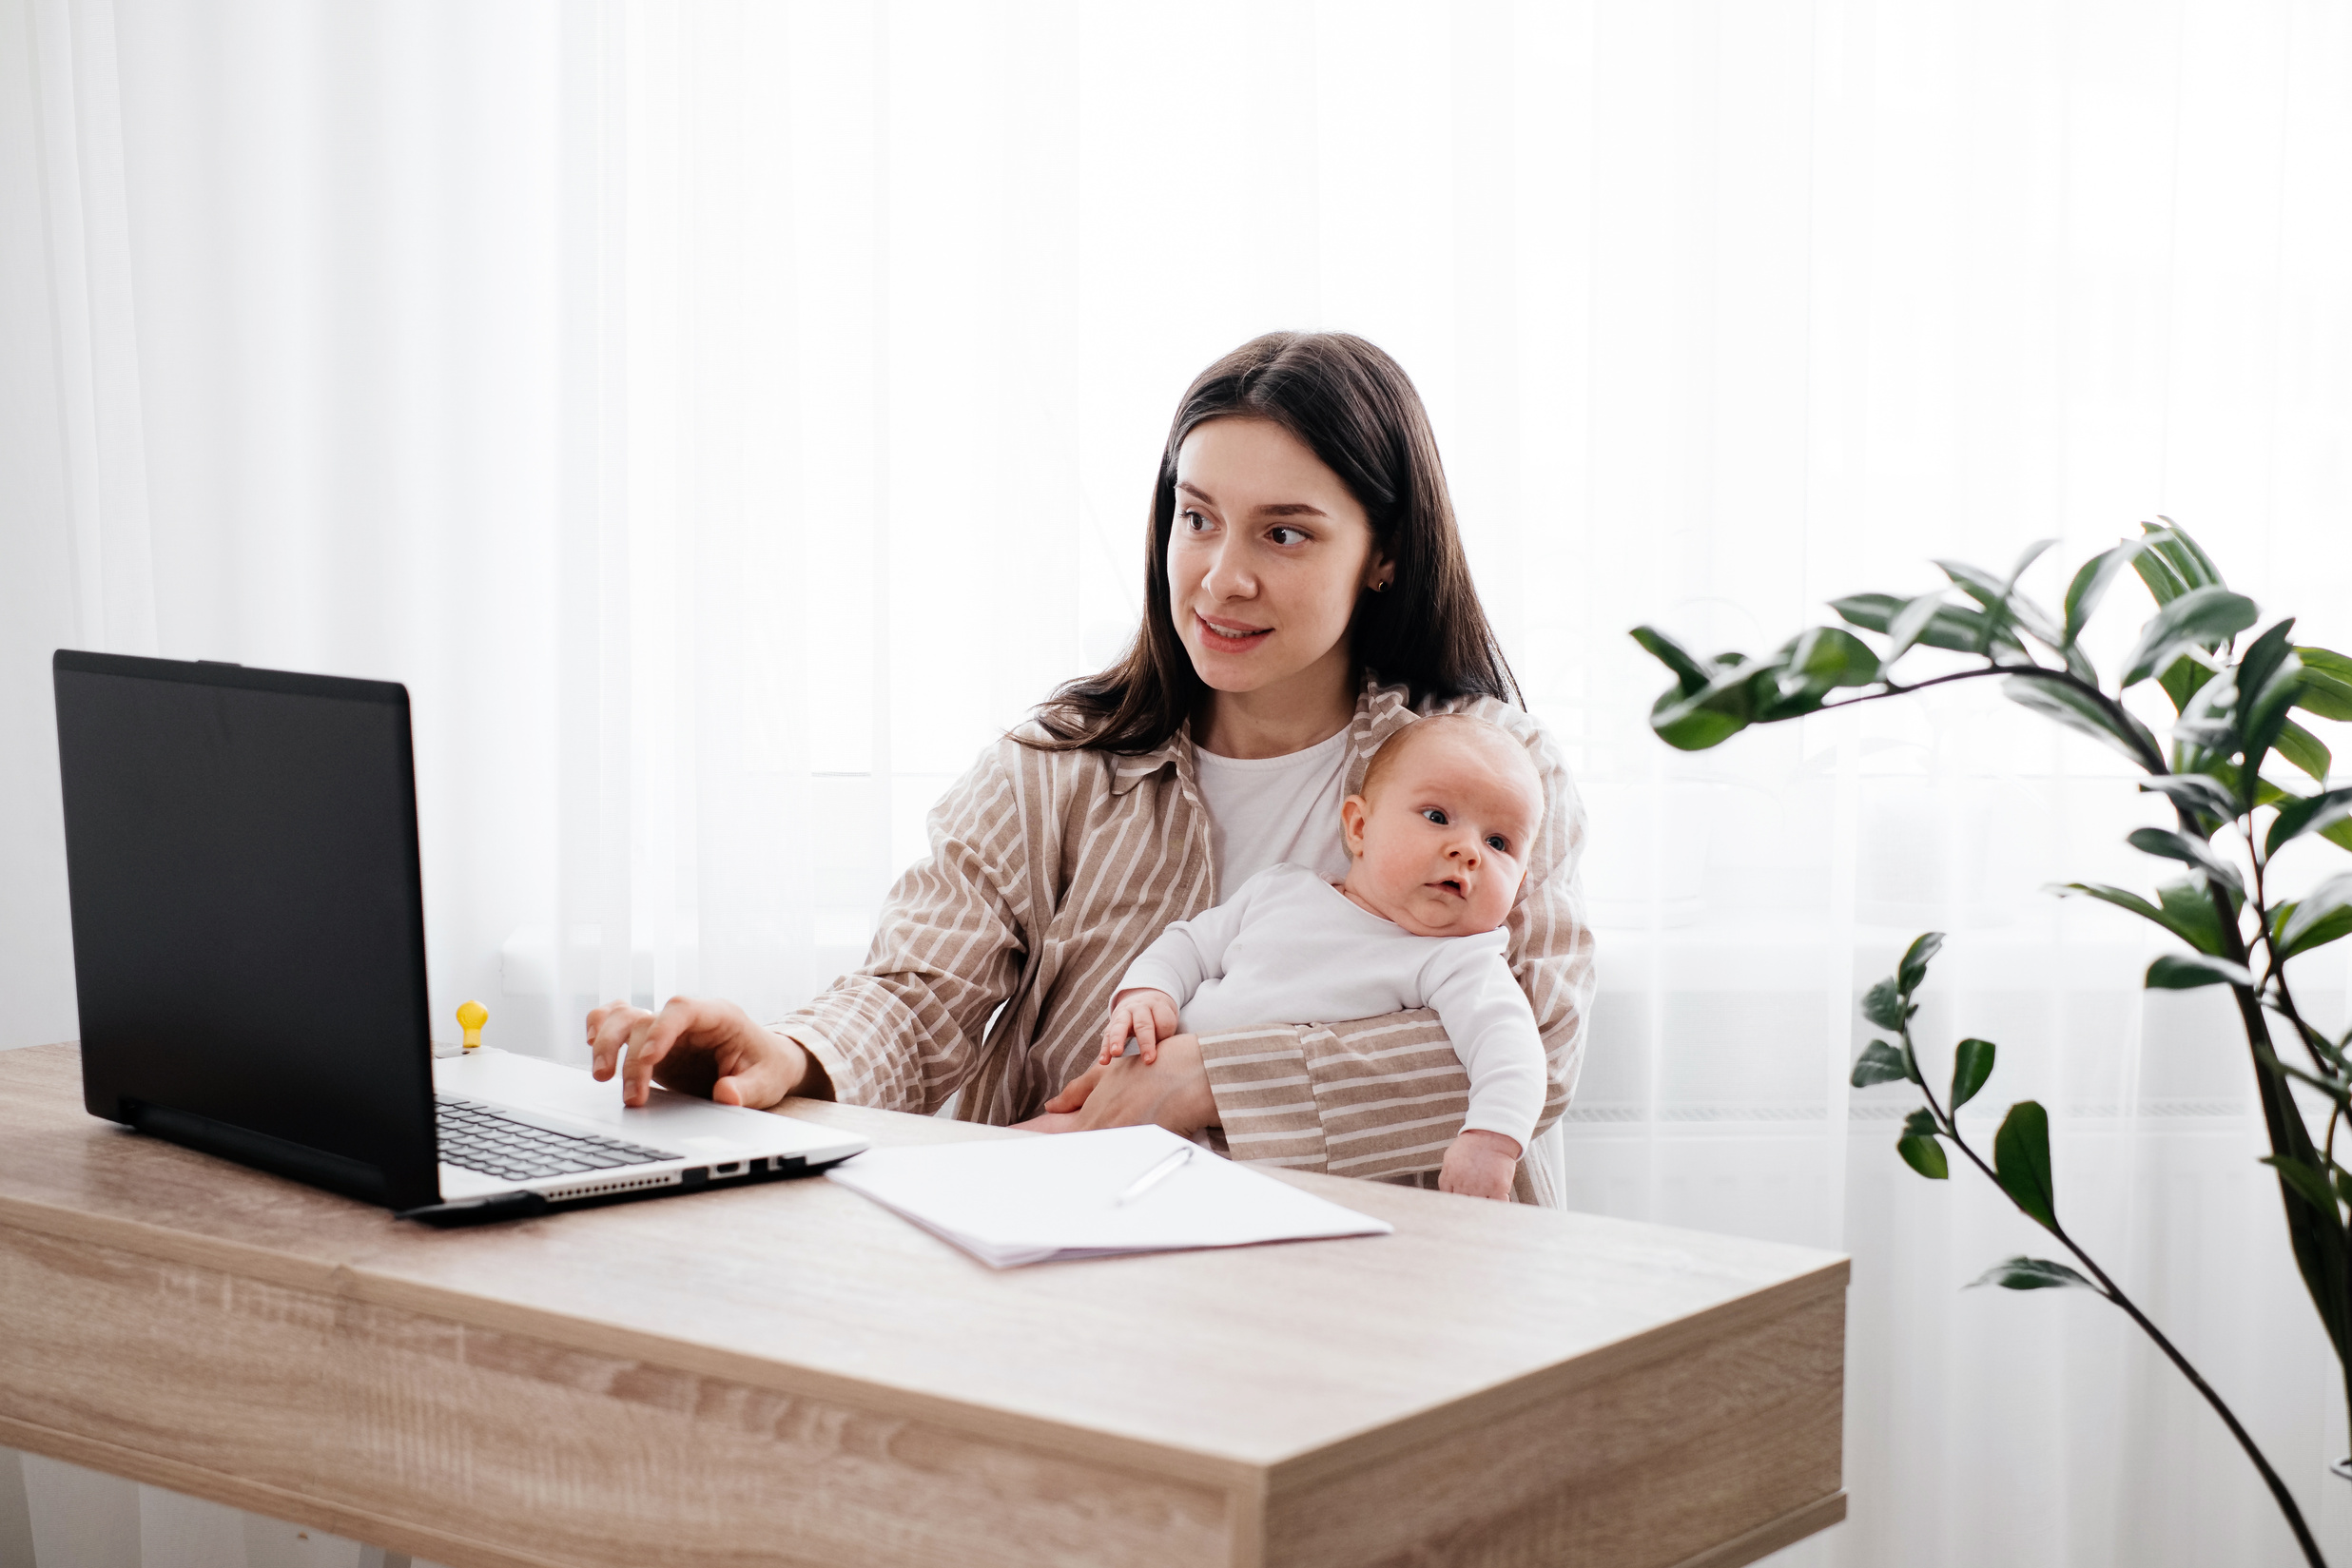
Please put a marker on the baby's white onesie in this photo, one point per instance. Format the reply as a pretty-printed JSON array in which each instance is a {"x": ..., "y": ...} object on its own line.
[{"x": 1288, "y": 947}]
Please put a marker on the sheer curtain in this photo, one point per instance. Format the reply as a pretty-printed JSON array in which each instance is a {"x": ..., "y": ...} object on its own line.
[{"x": 727, "y": 418}]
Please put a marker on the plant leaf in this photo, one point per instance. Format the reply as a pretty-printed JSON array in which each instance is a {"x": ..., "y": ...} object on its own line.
[
  {"x": 1884, "y": 1007},
  {"x": 2031, "y": 1274},
  {"x": 2180, "y": 847},
  {"x": 2218, "y": 736},
  {"x": 2021, "y": 1162},
  {"x": 2184, "y": 677},
  {"x": 1908, "y": 623},
  {"x": 1922, "y": 1122},
  {"x": 2164, "y": 584},
  {"x": 2269, "y": 676},
  {"x": 2305, "y": 1182},
  {"x": 2076, "y": 708},
  {"x": 1923, "y": 1154},
  {"x": 2189, "y": 559},
  {"x": 2326, "y": 684},
  {"x": 2318, "y": 917},
  {"x": 2202, "y": 617},
  {"x": 2193, "y": 851},
  {"x": 1954, "y": 627},
  {"x": 2206, "y": 731},
  {"x": 1711, "y": 716},
  {"x": 1971, "y": 1064},
  {"x": 1912, "y": 971},
  {"x": 1871, "y": 611},
  {"x": 1801, "y": 676},
  {"x": 2188, "y": 971},
  {"x": 2002, "y": 601},
  {"x": 2334, "y": 925},
  {"x": 1689, "y": 673},
  {"x": 2204, "y": 938},
  {"x": 2188, "y": 910},
  {"x": 2201, "y": 796},
  {"x": 2312, "y": 814},
  {"x": 1878, "y": 1063},
  {"x": 2299, "y": 746},
  {"x": 2091, "y": 581}
]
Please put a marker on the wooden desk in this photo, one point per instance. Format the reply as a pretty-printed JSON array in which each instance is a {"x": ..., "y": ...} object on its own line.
[{"x": 788, "y": 1374}]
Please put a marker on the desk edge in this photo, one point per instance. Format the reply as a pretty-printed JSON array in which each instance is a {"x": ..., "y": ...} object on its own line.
[
  {"x": 361, "y": 1284},
  {"x": 1392, "y": 1439},
  {"x": 1772, "y": 1535},
  {"x": 256, "y": 1497}
]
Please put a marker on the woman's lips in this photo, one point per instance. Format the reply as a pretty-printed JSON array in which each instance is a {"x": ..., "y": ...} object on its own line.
[{"x": 1229, "y": 636}]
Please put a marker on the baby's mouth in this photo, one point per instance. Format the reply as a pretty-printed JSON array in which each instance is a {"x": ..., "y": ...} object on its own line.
[{"x": 1453, "y": 886}]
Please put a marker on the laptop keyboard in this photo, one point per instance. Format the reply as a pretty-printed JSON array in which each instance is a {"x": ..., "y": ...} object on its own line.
[{"x": 477, "y": 1137}]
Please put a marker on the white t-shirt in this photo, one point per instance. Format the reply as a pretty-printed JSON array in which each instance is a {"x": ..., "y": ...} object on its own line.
[
  {"x": 1266, "y": 810},
  {"x": 1291, "y": 948}
]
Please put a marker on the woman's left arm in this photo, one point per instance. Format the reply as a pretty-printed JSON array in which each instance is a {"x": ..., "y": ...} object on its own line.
[
  {"x": 1385, "y": 1097},
  {"x": 1380, "y": 1096}
]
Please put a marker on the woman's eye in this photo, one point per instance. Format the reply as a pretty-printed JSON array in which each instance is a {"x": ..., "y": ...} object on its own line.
[
  {"x": 1287, "y": 536},
  {"x": 1434, "y": 815},
  {"x": 1193, "y": 522}
]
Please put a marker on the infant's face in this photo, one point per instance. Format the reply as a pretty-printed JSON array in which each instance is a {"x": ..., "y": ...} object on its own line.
[{"x": 1441, "y": 846}]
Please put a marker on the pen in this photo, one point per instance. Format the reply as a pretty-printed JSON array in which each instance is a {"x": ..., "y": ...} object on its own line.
[{"x": 1153, "y": 1177}]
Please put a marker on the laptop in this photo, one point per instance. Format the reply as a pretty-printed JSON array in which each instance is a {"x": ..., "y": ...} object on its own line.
[{"x": 249, "y": 959}]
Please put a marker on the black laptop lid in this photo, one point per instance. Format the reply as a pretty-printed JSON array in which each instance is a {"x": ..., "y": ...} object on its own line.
[{"x": 248, "y": 916}]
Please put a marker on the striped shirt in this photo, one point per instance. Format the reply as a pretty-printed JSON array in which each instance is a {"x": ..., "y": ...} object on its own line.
[{"x": 995, "y": 959}]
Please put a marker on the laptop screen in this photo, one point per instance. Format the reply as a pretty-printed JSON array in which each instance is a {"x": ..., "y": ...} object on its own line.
[{"x": 248, "y": 916}]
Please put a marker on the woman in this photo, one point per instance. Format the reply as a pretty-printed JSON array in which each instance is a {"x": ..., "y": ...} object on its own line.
[{"x": 1306, "y": 596}]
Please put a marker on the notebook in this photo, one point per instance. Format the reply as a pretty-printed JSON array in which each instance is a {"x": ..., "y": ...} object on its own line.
[{"x": 1049, "y": 1199}]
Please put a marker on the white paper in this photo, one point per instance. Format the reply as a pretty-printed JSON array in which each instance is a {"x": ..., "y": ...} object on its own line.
[{"x": 1027, "y": 1200}]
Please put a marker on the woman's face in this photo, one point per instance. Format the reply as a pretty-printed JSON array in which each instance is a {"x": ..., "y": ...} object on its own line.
[{"x": 1267, "y": 556}]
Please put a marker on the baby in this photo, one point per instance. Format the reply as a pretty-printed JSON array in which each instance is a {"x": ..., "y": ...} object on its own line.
[{"x": 1439, "y": 840}]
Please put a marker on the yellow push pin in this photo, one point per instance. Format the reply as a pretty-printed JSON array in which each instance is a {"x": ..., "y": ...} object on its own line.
[{"x": 471, "y": 1017}]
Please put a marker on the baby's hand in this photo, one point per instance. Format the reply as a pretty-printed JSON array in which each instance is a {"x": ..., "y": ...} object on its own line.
[
  {"x": 1149, "y": 1016},
  {"x": 1479, "y": 1164}
]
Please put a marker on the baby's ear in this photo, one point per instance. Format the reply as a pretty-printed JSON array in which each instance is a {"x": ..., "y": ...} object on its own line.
[{"x": 1352, "y": 811}]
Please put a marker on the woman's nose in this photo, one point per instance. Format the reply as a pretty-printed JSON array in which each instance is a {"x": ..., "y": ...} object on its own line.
[{"x": 1228, "y": 576}]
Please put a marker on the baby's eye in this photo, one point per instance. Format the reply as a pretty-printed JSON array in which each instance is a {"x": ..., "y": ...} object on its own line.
[
  {"x": 1434, "y": 815},
  {"x": 1499, "y": 844}
]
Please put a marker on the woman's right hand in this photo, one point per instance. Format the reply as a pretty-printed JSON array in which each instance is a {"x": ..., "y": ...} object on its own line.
[{"x": 707, "y": 1048}]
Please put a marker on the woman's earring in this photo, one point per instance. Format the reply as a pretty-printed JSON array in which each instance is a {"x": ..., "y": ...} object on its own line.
[{"x": 1380, "y": 587}]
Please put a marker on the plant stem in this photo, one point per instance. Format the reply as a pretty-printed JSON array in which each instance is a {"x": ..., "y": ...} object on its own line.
[
  {"x": 2154, "y": 761},
  {"x": 2322, "y": 1253},
  {"x": 2108, "y": 1287},
  {"x": 2312, "y": 1039}
]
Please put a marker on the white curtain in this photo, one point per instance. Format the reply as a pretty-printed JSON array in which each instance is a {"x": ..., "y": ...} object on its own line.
[{"x": 725, "y": 417}]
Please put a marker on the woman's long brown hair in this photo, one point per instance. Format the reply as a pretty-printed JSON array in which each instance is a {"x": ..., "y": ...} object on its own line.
[{"x": 1358, "y": 411}]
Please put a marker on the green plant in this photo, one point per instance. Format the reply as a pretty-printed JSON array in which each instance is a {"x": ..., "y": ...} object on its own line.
[
  {"x": 2232, "y": 715},
  {"x": 2021, "y": 1167}
]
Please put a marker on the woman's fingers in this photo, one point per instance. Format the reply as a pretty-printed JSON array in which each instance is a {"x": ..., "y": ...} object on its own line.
[
  {"x": 1173, "y": 1092},
  {"x": 1047, "y": 1122},
  {"x": 651, "y": 1035},
  {"x": 697, "y": 1047},
  {"x": 1074, "y": 1094},
  {"x": 688, "y": 1034},
  {"x": 760, "y": 1069},
  {"x": 608, "y": 1035}
]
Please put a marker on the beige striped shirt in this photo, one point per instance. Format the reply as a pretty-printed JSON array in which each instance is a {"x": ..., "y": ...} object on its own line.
[{"x": 995, "y": 960}]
